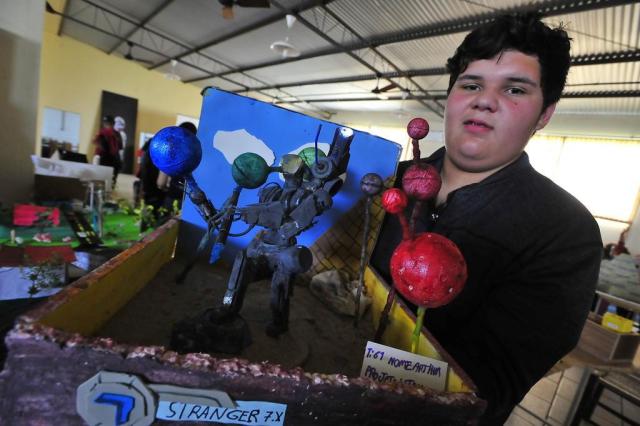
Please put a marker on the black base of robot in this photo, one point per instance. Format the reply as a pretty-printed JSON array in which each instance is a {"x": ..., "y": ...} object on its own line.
[
  {"x": 222, "y": 329},
  {"x": 212, "y": 331}
]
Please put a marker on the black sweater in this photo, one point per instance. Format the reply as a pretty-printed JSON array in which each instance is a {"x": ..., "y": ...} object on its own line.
[{"x": 533, "y": 254}]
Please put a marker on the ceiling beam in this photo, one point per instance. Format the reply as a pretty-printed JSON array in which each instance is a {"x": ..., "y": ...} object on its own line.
[
  {"x": 550, "y": 8},
  {"x": 135, "y": 23},
  {"x": 141, "y": 46},
  {"x": 245, "y": 29},
  {"x": 151, "y": 31},
  {"x": 606, "y": 58},
  {"x": 602, "y": 94},
  {"x": 142, "y": 24},
  {"x": 122, "y": 39},
  {"x": 438, "y": 110},
  {"x": 442, "y": 97},
  {"x": 589, "y": 59},
  {"x": 355, "y": 78},
  {"x": 64, "y": 12}
]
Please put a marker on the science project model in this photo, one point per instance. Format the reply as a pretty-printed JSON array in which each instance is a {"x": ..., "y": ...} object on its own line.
[
  {"x": 427, "y": 269},
  {"x": 311, "y": 179}
]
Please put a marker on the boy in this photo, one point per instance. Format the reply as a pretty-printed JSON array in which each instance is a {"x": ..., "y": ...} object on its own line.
[{"x": 532, "y": 250}]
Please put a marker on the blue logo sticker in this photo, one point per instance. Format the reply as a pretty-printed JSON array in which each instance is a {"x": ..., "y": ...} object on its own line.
[{"x": 123, "y": 403}]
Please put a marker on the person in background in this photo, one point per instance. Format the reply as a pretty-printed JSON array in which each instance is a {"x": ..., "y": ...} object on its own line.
[
  {"x": 151, "y": 194},
  {"x": 174, "y": 187},
  {"x": 108, "y": 145},
  {"x": 532, "y": 250},
  {"x": 158, "y": 189},
  {"x": 119, "y": 126}
]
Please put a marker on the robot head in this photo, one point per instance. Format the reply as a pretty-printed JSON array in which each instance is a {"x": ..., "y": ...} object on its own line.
[{"x": 336, "y": 162}]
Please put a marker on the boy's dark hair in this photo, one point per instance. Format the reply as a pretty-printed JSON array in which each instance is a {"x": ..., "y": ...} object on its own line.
[
  {"x": 524, "y": 33},
  {"x": 187, "y": 125},
  {"x": 108, "y": 119}
]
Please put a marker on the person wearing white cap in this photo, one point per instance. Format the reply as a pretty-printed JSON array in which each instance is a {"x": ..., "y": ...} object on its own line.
[{"x": 118, "y": 126}]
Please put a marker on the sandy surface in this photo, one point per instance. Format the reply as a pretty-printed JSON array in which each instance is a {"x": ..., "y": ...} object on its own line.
[{"x": 318, "y": 340}]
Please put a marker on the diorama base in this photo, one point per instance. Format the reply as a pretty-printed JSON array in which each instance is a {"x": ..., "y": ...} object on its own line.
[{"x": 318, "y": 339}]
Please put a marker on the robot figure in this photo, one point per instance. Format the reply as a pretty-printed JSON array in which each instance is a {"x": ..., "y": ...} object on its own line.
[{"x": 284, "y": 212}]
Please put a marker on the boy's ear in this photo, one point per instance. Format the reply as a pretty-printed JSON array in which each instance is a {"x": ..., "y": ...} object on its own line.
[{"x": 545, "y": 116}]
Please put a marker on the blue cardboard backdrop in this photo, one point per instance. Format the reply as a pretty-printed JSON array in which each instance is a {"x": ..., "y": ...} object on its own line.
[{"x": 272, "y": 132}]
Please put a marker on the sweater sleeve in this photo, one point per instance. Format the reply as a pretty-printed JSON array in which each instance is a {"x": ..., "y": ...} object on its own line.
[{"x": 532, "y": 318}]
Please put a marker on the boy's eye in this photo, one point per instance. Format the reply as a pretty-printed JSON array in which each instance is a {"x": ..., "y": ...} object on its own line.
[
  {"x": 470, "y": 87},
  {"x": 515, "y": 91}
]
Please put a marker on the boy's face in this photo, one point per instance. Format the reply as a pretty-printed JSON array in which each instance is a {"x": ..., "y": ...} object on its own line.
[{"x": 493, "y": 108}]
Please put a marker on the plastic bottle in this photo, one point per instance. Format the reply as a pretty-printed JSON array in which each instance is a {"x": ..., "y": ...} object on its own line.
[
  {"x": 636, "y": 322},
  {"x": 615, "y": 322}
]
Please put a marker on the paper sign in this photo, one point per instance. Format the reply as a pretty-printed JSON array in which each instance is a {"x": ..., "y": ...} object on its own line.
[
  {"x": 384, "y": 364},
  {"x": 245, "y": 413}
]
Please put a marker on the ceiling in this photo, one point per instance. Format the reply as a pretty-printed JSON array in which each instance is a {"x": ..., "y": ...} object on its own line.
[{"x": 350, "y": 48}]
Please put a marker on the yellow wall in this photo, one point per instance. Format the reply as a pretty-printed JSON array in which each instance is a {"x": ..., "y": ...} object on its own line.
[{"x": 73, "y": 76}]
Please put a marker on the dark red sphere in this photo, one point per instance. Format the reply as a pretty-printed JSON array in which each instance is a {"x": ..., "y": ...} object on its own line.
[
  {"x": 418, "y": 128},
  {"x": 394, "y": 200},
  {"x": 428, "y": 270},
  {"x": 421, "y": 181}
]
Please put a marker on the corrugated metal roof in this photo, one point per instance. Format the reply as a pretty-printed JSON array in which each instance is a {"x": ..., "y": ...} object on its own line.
[
  {"x": 199, "y": 20},
  {"x": 246, "y": 61},
  {"x": 423, "y": 53},
  {"x": 610, "y": 73},
  {"x": 602, "y": 30},
  {"x": 603, "y": 106}
]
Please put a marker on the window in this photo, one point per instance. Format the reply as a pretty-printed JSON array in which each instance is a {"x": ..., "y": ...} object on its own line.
[{"x": 604, "y": 174}]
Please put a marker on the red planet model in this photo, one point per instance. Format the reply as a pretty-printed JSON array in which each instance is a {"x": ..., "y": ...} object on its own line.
[{"x": 428, "y": 269}]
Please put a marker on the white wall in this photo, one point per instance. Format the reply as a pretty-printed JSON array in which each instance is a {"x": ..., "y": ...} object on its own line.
[
  {"x": 594, "y": 125},
  {"x": 633, "y": 239},
  {"x": 21, "y": 25}
]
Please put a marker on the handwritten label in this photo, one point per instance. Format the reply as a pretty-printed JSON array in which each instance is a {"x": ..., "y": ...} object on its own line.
[
  {"x": 384, "y": 364},
  {"x": 245, "y": 413}
]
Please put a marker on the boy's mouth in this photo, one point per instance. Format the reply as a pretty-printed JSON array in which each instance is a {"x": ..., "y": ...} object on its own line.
[{"x": 477, "y": 123}]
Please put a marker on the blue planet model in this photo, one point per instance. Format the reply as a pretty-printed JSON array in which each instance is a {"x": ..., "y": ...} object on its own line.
[{"x": 175, "y": 151}]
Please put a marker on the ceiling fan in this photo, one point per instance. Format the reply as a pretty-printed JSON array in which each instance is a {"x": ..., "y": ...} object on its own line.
[
  {"x": 50, "y": 9},
  {"x": 228, "y": 5},
  {"x": 283, "y": 47},
  {"x": 379, "y": 91},
  {"x": 130, "y": 57},
  {"x": 173, "y": 75}
]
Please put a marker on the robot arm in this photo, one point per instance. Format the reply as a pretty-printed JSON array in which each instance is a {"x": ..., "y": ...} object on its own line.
[
  {"x": 275, "y": 201},
  {"x": 303, "y": 216},
  {"x": 200, "y": 200},
  {"x": 288, "y": 217}
]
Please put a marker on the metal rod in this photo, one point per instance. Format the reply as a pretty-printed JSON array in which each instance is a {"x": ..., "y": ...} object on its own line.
[
  {"x": 590, "y": 59},
  {"x": 363, "y": 257},
  {"x": 567, "y": 95}
]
